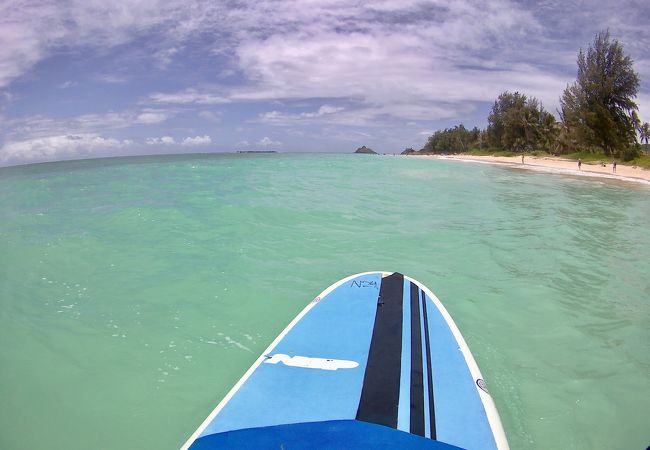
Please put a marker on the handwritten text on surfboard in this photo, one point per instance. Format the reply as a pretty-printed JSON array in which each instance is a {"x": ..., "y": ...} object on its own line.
[
  {"x": 365, "y": 284},
  {"x": 311, "y": 363}
]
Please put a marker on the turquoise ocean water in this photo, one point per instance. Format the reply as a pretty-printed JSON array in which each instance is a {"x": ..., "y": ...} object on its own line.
[{"x": 134, "y": 292}]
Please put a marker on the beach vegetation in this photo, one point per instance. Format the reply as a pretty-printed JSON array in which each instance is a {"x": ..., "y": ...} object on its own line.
[
  {"x": 641, "y": 161},
  {"x": 598, "y": 118},
  {"x": 492, "y": 152},
  {"x": 598, "y": 109},
  {"x": 519, "y": 123},
  {"x": 454, "y": 140},
  {"x": 644, "y": 133}
]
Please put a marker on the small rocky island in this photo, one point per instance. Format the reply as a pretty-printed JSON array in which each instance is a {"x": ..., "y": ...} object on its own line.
[{"x": 366, "y": 150}]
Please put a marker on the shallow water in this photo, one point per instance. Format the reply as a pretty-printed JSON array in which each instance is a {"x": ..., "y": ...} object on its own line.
[{"x": 135, "y": 292}]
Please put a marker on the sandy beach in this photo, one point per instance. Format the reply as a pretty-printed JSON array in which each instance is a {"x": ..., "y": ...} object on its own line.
[{"x": 557, "y": 165}]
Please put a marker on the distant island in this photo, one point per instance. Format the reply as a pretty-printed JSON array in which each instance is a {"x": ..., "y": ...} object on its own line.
[
  {"x": 366, "y": 150},
  {"x": 256, "y": 151}
]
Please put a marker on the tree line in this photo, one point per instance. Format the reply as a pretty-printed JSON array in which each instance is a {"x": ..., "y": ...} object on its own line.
[{"x": 597, "y": 113}]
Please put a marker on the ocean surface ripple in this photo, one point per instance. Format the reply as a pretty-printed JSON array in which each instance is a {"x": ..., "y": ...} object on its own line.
[{"x": 135, "y": 292}]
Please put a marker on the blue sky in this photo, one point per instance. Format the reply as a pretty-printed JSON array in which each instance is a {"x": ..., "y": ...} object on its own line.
[{"x": 85, "y": 78}]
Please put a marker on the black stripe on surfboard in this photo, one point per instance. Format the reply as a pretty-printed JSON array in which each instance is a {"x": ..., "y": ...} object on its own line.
[
  {"x": 417, "y": 388},
  {"x": 380, "y": 392},
  {"x": 432, "y": 416}
]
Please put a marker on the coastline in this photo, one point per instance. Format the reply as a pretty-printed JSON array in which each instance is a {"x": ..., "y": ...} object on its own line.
[{"x": 555, "y": 165}]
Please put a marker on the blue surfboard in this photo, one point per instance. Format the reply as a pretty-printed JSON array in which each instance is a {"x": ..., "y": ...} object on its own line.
[{"x": 374, "y": 361}]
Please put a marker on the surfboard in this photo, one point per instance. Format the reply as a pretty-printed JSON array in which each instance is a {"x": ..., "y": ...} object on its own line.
[{"x": 374, "y": 361}]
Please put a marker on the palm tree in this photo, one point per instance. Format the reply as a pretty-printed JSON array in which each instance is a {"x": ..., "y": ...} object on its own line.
[
  {"x": 644, "y": 135},
  {"x": 644, "y": 132}
]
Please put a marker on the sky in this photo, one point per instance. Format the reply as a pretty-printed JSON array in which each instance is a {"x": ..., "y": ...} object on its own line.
[{"x": 91, "y": 78}]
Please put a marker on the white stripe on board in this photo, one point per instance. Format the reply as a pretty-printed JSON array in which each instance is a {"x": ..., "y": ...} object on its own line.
[{"x": 404, "y": 408}]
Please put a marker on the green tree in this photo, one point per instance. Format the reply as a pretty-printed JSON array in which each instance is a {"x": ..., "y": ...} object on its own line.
[
  {"x": 599, "y": 105},
  {"x": 457, "y": 139},
  {"x": 519, "y": 123},
  {"x": 644, "y": 134}
]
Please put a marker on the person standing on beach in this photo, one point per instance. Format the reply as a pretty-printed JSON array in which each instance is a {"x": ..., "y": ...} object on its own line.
[
  {"x": 614, "y": 167},
  {"x": 579, "y": 164},
  {"x": 522, "y": 159}
]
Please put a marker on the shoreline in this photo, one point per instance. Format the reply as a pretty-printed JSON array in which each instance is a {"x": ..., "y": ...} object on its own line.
[{"x": 555, "y": 165}]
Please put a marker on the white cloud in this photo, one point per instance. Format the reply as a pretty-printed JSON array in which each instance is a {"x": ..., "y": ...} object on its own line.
[
  {"x": 164, "y": 57},
  {"x": 268, "y": 142},
  {"x": 22, "y": 42},
  {"x": 405, "y": 59},
  {"x": 386, "y": 72},
  {"x": 57, "y": 147},
  {"x": 412, "y": 60},
  {"x": 210, "y": 116},
  {"x": 277, "y": 117},
  {"x": 110, "y": 120},
  {"x": 165, "y": 140},
  {"x": 188, "y": 96},
  {"x": 152, "y": 116},
  {"x": 31, "y": 31},
  {"x": 328, "y": 109},
  {"x": 42, "y": 126},
  {"x": 67, "y": 84},
  {"x": 197, "y": 140},
  {"x": 111, "y": 78}
]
